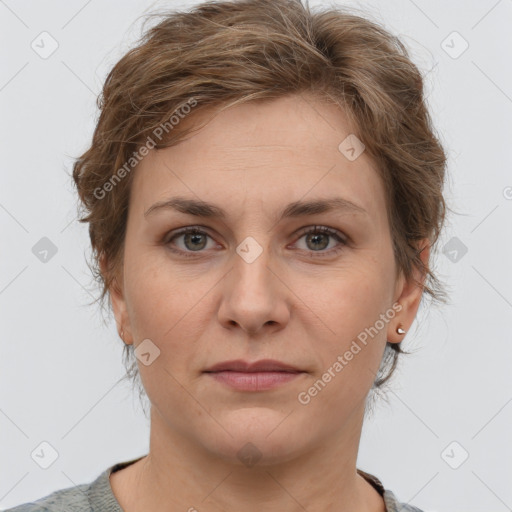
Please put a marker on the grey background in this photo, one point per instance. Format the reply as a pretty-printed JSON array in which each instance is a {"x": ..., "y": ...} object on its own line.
[{"x": 59, "y": 364}]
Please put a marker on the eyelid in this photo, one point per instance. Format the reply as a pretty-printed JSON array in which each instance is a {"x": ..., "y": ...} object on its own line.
[
  {"x": 184, "y": 230},
  {"x": 175, "y": 233},
  {"x": 343, "y": 240},
  {"x": 321, "y": 228}
]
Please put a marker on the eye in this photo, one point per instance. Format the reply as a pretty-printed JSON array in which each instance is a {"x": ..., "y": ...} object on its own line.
[
  {"x": 317, "y": 240},
  {"x": 194, "y": 241}
]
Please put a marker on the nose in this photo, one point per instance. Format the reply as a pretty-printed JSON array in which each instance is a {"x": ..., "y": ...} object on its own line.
[{"x": 254, "y": 297}]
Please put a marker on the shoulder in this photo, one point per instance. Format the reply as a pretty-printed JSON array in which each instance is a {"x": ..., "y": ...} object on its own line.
[
  {"x": 88, "y": 497},
  {"x": 391, "y": 501},
  {"x": 393, "y": 505},
  {"x": 64, "y": 500},
  {"x": 78, "y": 498}
]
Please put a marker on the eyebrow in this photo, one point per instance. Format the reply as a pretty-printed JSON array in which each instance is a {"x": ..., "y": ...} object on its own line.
[{"x": 200, "y": 208}]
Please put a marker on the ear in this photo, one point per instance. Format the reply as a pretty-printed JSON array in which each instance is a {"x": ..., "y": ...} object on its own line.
[
  {"x": 408, "y": 294},
  {"x": 117, "y": 299}
]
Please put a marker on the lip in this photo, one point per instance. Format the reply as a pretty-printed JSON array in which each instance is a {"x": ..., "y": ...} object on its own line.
[
  {"x": 263, "y": 365},
  {"x": 260, "y": 375}
]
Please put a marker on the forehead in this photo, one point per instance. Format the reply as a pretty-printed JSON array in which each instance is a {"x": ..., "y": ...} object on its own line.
[{"x": 268, "y": 153}]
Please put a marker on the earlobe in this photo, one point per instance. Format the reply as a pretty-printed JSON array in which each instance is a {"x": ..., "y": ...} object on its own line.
[
  {"x": 120, "y": 313},
  {"x": 117, "y": 300},
  {"x": 409, "y": 294}
]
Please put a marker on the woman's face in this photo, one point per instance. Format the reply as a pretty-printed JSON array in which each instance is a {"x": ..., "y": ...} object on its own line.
[{"x": 252, "y": 284}]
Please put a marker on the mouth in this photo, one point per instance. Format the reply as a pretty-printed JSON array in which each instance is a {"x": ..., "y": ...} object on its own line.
[{"x": 258, "y": 376}]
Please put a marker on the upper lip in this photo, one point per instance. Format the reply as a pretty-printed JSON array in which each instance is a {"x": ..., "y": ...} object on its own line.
[{"x": 264, "y": 365}]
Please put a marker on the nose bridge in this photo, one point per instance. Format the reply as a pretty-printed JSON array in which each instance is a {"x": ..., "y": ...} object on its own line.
[
  {"x": 251, "y": 277},
  {"x": 251, "y": 296}
]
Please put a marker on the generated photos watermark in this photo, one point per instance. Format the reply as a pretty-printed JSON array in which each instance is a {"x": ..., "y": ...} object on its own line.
[
  {"x": 304, "y": 397},
  {"x": 137, "y": 156}
]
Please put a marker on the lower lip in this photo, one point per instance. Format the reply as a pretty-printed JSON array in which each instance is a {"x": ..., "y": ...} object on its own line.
[{"x": 254, "y": 381}]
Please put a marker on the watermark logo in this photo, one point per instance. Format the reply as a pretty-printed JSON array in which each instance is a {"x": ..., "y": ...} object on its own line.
[
  {"x": 44, "y": 455},
  {"x": 454, "y": 45},
  {"x": 44, "y": 250},
  {"x": 249, "y": 249},
  {"x": 455, "y": 249},
  {"x": 45, "y": 45},
  {"x": 146, "y": 352},
  {"x": 455, "y": 455},
  {"x": 249, "y": 455},
  {"x": 351, "y": 147}
]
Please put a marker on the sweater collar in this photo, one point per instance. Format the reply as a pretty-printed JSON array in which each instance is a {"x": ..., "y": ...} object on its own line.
[{"x": 100, "y": 492}]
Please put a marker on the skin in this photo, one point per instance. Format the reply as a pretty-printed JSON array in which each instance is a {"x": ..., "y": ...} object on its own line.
[{"x": 291, "y": 304}]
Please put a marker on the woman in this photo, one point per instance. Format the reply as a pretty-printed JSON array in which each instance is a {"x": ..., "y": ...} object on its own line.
[{"x": 263, "y": 191}]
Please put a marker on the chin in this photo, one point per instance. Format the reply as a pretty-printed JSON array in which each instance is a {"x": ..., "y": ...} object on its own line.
[{"x": 259, "y": 436}]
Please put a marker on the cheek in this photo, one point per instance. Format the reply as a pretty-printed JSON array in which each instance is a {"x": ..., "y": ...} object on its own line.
[
  {"x": 167, "y": 307},
  {"x": 154, "y": 297},
  {"x": 162, "y": 311},
  {"x": 354, "y": 308},
  {"x": 348, "y": 360},
  {"x": 356, "y": 296}
]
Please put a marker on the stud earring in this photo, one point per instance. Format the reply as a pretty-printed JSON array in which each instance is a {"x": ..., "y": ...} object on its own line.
[
  {"x": 122, "y": 334},
  {"x": 399, "y": 330}
]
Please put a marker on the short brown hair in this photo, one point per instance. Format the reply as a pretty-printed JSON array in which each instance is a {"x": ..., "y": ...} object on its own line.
[{"x": 223, "y": 53}]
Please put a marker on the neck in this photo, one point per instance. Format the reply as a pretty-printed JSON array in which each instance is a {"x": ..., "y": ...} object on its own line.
[{"x": 177, "y": 474}]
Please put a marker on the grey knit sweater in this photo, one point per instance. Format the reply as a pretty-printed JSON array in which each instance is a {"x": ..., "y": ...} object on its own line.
[{"x": 98, "y": 496}]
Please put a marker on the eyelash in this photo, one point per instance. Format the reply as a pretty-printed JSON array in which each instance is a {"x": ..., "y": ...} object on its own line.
[{"x": 309, "y": 230}]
